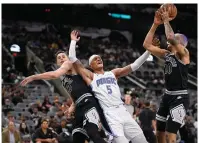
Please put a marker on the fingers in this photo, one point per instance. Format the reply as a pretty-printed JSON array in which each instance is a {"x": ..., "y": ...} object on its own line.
[
  {"x": 24, "y": 82},
  {"x": 75, "y": 33},
  {"x": 158, "y": 13}
]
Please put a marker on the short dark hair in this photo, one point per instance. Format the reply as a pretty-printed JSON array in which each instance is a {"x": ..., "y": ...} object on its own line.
[
  {"x": 44, "y": 120},
  {"x": 57, "y": 53},
  {"x": 147, "y": 103}
]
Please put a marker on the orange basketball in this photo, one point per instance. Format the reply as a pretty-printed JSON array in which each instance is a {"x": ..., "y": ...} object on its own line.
[{"x": 172, "y": 10}]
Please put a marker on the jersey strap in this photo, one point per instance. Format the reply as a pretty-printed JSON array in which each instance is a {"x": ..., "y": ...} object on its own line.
[
  {"x": 177, "y": 92},
  {"x": 82, "y": 97}
]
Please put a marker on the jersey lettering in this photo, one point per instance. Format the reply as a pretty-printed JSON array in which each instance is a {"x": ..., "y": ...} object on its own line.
[
  {"x": 172, "y": 61},
  {"x": 168, "y": 68},
  {"x": 107, "y": 80},
  {"x": 66, "y": 82}
]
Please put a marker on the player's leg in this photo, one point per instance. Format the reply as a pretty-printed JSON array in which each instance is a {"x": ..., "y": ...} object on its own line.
[
  {"x": 176, "y": 117},
  {"x": 161, "y": 120},
  {"x": 91, "y": 123},
  {"x": 160, "y": 134},
  {"x": 139, "y": 139},
  {"x": 120, "y": 139},
  {"x": 114, "y": 121},
  {"x": 79, "y": 137},
  {"x": 132, "y": 130},
  {"x": 150, "y": 136},
  {"x": 93, "y": 133}
]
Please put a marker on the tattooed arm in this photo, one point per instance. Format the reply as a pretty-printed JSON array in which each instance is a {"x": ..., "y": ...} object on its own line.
[
  {"x": 179, "y": 41},
  {"x": 148, "y": 42}
]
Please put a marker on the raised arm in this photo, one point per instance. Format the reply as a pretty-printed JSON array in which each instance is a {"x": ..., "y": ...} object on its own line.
[
  {"x": 66, "y": 66},
  {"x": 80, "y": 69},
  {"x": 155, "y": 50},
  {"x": 179, "y": 41},
  {"x": 119, "y": 72}
]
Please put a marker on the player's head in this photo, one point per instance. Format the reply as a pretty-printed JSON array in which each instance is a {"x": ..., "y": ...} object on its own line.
[
  {"x": 61, "y": 57},
  {"x": 95, "y": 62},
  {"x": 181, "y": 39}
]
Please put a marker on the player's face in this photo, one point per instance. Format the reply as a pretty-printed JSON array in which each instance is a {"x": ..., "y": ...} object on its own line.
[
  {"x": 61, "y": 58},
  {"x": 97, "y": 63}
]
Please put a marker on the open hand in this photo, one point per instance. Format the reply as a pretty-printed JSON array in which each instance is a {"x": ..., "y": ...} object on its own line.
[
  {"x": 158, "y": 18},
  {"x": 165, "y": 13},
  {"x": 74, "y": 35},
  {"x": 26, "y": 81}
]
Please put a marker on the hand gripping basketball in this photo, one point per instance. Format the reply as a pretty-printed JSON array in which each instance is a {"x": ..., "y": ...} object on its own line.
[{"x": 168, "y": 9}]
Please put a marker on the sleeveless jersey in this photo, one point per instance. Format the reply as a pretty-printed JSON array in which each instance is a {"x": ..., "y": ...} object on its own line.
[
  {"x": 75, "y": 86},
  {"x": 106, "y": 89},
  {"x": 176, "y": 73}
]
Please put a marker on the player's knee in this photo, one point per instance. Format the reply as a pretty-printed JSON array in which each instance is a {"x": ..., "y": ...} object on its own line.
[
  {"x": 170, "y": 137},
  {"x": 92, "y": 131},
  {"x": 160, "y": 134}
]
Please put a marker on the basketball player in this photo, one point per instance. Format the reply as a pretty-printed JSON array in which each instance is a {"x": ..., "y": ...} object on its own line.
[
  {"x": 172, "y": 110},
  {"x": 84, "y": 103},
  {"x": 106, "y": 90}
]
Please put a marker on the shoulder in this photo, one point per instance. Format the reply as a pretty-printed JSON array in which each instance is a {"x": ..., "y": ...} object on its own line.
[
  {"x": 38, "y": 130},
  {"x": 5, "y": 131},
  {"x": 17, "y": 132}
]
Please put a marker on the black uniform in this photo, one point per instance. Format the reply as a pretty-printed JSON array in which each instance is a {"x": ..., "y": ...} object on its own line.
[
  {"x": 146, "y": 116},
  {"x": 87, "y": 112},
  {"x": 172, "y": 110}
]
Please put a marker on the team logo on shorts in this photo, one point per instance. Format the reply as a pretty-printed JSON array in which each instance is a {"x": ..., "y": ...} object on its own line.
[{"x": 178, "y": 114}]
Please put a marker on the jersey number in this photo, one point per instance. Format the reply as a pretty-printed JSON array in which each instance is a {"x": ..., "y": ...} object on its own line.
[
  {"x": 109, "y": 89},
  {"x": 168, "y": 68}
]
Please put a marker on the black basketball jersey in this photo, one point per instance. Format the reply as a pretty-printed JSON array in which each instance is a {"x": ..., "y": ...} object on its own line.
[
  {"x": 75, "y": 85},
  {"x": 176, "y": 73}
]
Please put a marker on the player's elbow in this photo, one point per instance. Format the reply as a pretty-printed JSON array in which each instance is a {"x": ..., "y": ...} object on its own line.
[{"x": 146, "y": 45}]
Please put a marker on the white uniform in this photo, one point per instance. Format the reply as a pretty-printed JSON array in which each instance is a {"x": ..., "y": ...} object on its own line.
[{"x": 108, "y": 93}]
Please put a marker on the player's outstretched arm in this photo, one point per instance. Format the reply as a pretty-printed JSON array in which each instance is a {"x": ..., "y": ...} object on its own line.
[
  {"x": 119, "y": 72},
  {"x": 66, "y": 66},
  {"x": 148, "y": 42},
  {"x": 179, "y": 41},
  {"x": 86, "y": 74}
]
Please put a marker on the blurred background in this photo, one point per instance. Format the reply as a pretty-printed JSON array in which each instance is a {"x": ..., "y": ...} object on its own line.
[{"x": 33, "y": 33}]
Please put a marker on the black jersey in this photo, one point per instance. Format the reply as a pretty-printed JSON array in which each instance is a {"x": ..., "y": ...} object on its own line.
[
  {"x": 176, "y": 73},
  {"x": 75, "y": 86}
]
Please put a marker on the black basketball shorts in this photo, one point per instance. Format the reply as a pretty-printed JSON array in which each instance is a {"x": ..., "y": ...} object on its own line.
[
  {"x": 171, "y": 113},
  {"x": 85, "y": 112}
]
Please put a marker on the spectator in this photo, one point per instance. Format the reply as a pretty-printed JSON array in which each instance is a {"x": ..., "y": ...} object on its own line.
[
  {"x": 23, "y": 128},
  {"x": 128, "y": 105},
  {"x": 11, "y": 134},
  {"x": 44, "y": 134},
  {"x": 9, "y": 106},
  {"x": 11, "y": 118},
  {"x": 59, "y": 116},
  {"x": 46, "y": 103},
  {"x": 147, "y": 123},
  {"x": 35, "y": 117},
  {"x": 62, "y": 127}
]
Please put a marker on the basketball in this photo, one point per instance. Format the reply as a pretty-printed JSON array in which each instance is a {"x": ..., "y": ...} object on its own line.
[{"x": 172, "y": 10}]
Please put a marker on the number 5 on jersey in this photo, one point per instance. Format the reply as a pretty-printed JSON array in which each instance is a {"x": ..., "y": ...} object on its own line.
[{"x": 109, "y": 89}]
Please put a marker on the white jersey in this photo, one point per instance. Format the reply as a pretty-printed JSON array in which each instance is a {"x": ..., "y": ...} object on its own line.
[{"x": 106, "y": 89}]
